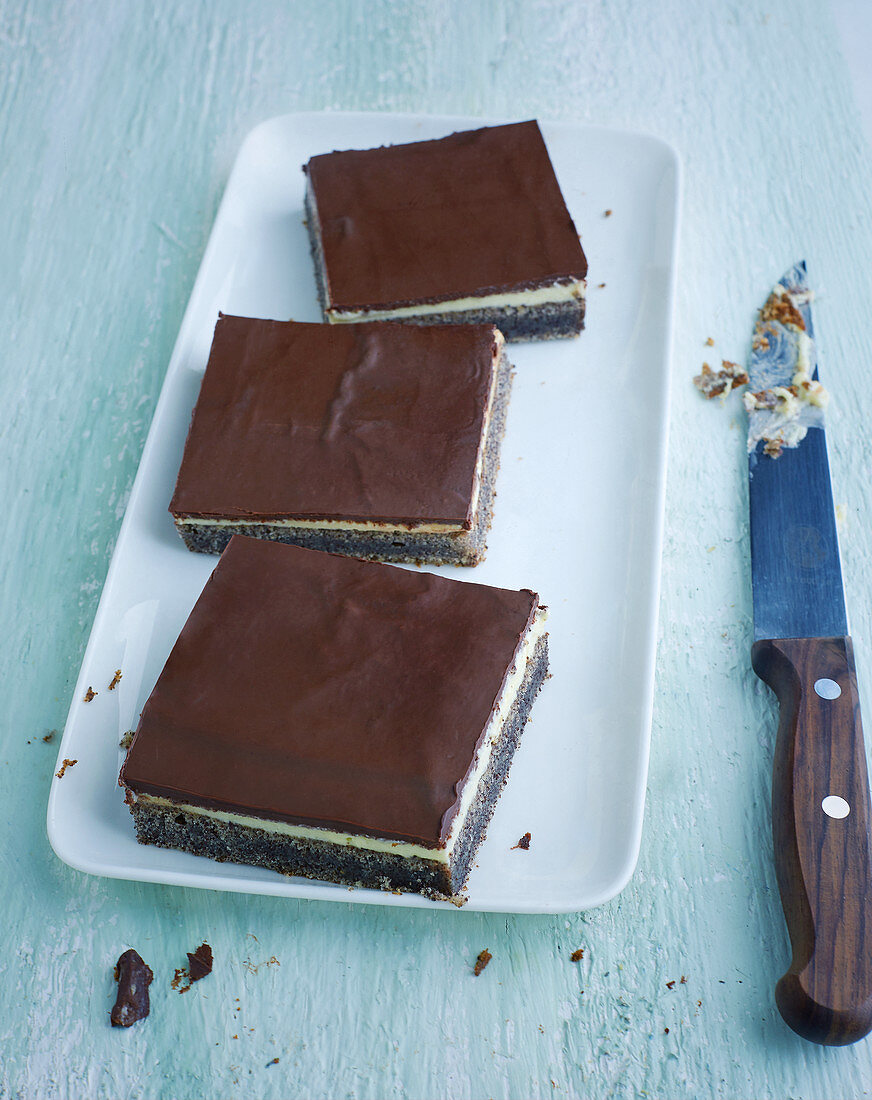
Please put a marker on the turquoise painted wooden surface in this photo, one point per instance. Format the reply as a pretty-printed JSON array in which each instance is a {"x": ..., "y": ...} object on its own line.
[{"x": 118, "y": 124}]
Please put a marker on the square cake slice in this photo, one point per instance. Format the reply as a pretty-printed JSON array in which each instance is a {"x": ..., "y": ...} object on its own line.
[
  {"x": 336, "y": 719},
  {"x": 469, "y": 227},
  {"x": 380, "y": 441}
]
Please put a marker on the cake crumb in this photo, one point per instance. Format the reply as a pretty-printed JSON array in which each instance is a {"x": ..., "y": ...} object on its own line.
[
  {"x": 523, "y": 843},
  {"x": 49, "y": 737},
  {"x": 114, "y": 684},
  {"x": 127, "y": 740},
  {"x": 274, "y": 1062},
  {"x": 600, "y": 286},
  {"x": 253, "y": 968},
  {"x": 773, "y": 448},
  {"x": 779, "y": 307},
  {"x": 134, "y": 977},
  {"x": 712, "y": 383},
  {"x": 607, "y": 213},
  {"x": 66, "y": 764},
  {"x": 178, "y": 977},
  {"x": 760, "y": 341},
  {"x": 481, "y": 962},
  {"x": 577, "y": 955},
  {"x": 89, "y": 694},
  {"x": 709, "y": 343}
]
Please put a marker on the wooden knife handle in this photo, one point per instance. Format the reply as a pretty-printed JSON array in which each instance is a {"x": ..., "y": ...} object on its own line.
[{"x": 822, "y": 860}]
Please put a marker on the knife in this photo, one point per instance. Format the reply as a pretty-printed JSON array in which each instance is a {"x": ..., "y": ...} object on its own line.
[{"x": 820, "y": 791}]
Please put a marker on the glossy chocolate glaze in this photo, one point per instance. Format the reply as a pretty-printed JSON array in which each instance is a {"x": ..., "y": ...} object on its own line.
[
  {"x": 362, "y": 422},
  {"x": 474, "y": 213},
  {"x": 315, "y": 689}
]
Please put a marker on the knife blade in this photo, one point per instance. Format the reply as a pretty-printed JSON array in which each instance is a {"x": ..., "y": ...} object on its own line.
[{"x": 802, "y": 649}]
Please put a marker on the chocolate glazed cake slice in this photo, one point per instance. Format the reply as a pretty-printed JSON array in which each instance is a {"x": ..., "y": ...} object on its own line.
[
  {"x": 381, "y": 441},
  {"x": 468, "y": 228},
  {"x": 337, "y": 719}
]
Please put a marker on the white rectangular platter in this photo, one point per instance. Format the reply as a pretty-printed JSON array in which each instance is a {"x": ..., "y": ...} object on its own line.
[{"x": 578, "y": 519}]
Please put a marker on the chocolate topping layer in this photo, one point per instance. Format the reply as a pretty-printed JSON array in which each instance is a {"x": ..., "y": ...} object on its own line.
[
  {"x": 474, "y": 213},
  {"x": 371, "y": 422},
  {"x": 321, "y": 690}
]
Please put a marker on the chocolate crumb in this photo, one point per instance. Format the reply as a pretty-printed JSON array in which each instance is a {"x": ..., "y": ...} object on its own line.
[
  {"x": 199, "y": 966},
  {"x": 666, "y": 1030},
  {"x": 89, "y": 694},
  {"x": 670, "y": 985},
  {"x": 49, "y": 737},
  {"x": 274, "y": 1062},
  {"x": 114, "y": 684},
  {"x": 683, "y": 980},
  {"x": 481, "y": 962},
  {"x": 577, "y": 955},
  {"x": 66, "y": 764},
  {"x": 133, "y": 977},
  {"x": 200, "y": 962},
  {"x": 524, "y": 843}
]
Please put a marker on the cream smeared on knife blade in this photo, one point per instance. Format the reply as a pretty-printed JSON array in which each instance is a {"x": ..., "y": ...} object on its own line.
[{"x": 783, "y": 399}]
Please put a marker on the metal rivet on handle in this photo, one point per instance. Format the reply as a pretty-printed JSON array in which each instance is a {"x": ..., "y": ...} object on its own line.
[
  {"x": 834, "y": 806},
  {"x": 827, "y": 689}
]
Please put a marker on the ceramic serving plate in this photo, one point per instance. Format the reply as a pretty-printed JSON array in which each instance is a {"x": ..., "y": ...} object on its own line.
[{"x": 578, "y": 519}]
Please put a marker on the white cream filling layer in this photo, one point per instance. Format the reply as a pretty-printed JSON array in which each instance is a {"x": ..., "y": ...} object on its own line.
[
  {"x": 387, "y": 528},
  {"x": 495, "y": 726},
  {"x": 373, "y": 844},
  {"x": 553, "y": 294},
  {"x": 320, "y": 524}
]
